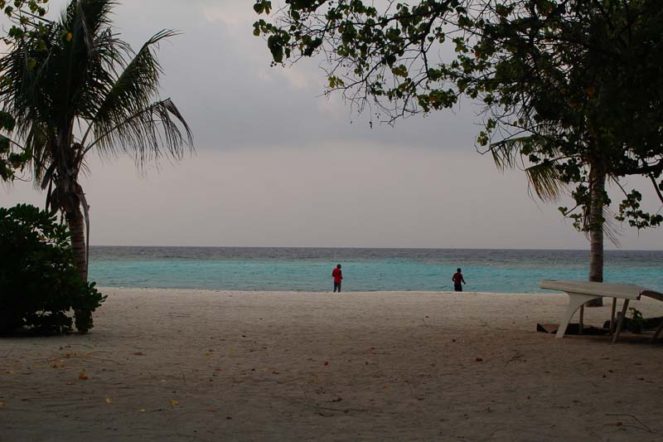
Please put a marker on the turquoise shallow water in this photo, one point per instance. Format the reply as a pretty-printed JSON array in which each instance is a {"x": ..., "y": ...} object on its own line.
[{"x": 309, "y": 269}]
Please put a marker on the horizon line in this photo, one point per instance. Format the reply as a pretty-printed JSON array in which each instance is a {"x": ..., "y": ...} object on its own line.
[{"x": 366, "y": 247}]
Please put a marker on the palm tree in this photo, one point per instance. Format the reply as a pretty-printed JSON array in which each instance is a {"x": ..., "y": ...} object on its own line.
[
  {"x": 75, "y": 87},
  {"x": 549, "y": 181}
]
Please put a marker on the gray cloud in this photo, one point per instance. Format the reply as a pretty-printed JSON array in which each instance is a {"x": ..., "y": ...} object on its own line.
[{"x": 279, "y": 165}]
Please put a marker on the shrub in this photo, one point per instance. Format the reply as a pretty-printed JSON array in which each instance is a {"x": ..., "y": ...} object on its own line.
[{"x": 40, "y": 287}]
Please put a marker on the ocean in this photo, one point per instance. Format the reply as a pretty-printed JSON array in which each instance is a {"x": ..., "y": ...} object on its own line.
[{"x": 309, "y": 269}]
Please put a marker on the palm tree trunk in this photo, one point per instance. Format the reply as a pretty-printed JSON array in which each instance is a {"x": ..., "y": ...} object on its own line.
[
  {"x": 77, "y": 229},
  {"x": 597, "y": 178}
]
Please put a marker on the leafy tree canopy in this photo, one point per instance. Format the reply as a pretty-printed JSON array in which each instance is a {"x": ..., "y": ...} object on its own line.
[
  {"x": 569, "y": 86},
  {"x": 21, "y": 14}
]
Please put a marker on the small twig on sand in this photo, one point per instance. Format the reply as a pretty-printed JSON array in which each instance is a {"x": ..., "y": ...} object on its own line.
[
  {"x": 341, "y": 410},
  {"x": 8, "y": 352},
  {"x": 515, "y": 357},
  {"x": 641, "y": 426}
]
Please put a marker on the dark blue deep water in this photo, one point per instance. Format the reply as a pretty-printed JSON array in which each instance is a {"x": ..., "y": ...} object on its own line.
[{"x": 309, "y": 269}]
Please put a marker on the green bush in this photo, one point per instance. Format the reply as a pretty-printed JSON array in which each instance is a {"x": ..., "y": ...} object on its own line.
[{"x": 40, "y": 288}]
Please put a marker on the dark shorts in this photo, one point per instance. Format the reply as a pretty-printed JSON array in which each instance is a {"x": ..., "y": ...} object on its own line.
[
  {"x": 337, "y": 286},
  {"x": 458, "y": 287}
]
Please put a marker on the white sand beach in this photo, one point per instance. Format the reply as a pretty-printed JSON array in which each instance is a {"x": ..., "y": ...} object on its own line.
[{"x": 178, "y": 365}]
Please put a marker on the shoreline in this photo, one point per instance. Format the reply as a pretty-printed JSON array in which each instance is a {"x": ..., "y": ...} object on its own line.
[
  {"x": 323, "y": 292},
  {"x": 171, "y": 364}
]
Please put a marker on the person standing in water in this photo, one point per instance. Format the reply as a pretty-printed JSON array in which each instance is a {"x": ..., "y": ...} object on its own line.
[
  {"x": 337, "y": 276},
  {"x": 458, "y": 280}
]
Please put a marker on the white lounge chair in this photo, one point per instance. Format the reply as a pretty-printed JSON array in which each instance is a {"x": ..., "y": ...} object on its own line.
[{"x": 581, "y": 292}]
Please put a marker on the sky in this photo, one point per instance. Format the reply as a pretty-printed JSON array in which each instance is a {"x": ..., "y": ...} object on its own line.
[{"x": 276, "y": 163}]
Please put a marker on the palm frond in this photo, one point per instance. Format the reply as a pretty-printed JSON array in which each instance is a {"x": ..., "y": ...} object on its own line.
[
  {"x": 507, "y": 153},
  {"x": 128, "y": 120},
  {"x": 544, "y": 178},
  {"x": 96, "y": 15},
  {"x": 146, "y": 133}
]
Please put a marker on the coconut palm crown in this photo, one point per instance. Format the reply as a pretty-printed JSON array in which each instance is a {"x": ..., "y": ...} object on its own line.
[{"x": 76, "y": 87}]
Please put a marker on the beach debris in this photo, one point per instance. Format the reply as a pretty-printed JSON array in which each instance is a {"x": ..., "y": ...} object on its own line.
[
  {"x": 478, "y": 359},
  {"x": 108, "y": 400},
  {"x": 83, "y": 376},
  {"x": 174, "y": 403},
  {"x": 326, "y": 363},
  {"x": 138, "y": 353},
  {"x": 2, "y": 404}
]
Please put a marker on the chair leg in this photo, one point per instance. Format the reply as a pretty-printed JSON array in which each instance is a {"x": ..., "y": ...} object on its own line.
[
  {"x": 658, "y": 332},
  {"x": 581, "y": 319},
  {"x": 620, "y": 324},
  {"x": 612, "y": 315},
  {"x": 575, "y": 302}
]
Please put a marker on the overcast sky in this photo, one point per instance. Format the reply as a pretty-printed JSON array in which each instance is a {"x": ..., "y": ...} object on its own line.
[{"x": 277, "y": 164}]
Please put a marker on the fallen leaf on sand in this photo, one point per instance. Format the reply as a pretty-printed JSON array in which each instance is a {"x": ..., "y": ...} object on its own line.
[
  {"x": 83, "y": 376},
  {"x": 479, "y": 359},
  {"x": 174, "y": 403},
  {"x": 326, "y": 363}
]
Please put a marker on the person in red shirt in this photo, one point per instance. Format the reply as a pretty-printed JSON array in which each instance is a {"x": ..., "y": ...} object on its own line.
[
  {"x": 458, "y": 280},
  {"x": 337, "y": 276}
]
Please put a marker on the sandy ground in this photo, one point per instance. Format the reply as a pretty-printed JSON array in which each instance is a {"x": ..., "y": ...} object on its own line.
[{"x": 175, "y": 365}]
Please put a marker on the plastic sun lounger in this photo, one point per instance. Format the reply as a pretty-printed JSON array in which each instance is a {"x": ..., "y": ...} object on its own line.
[{"x": 581, "y": 292}]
